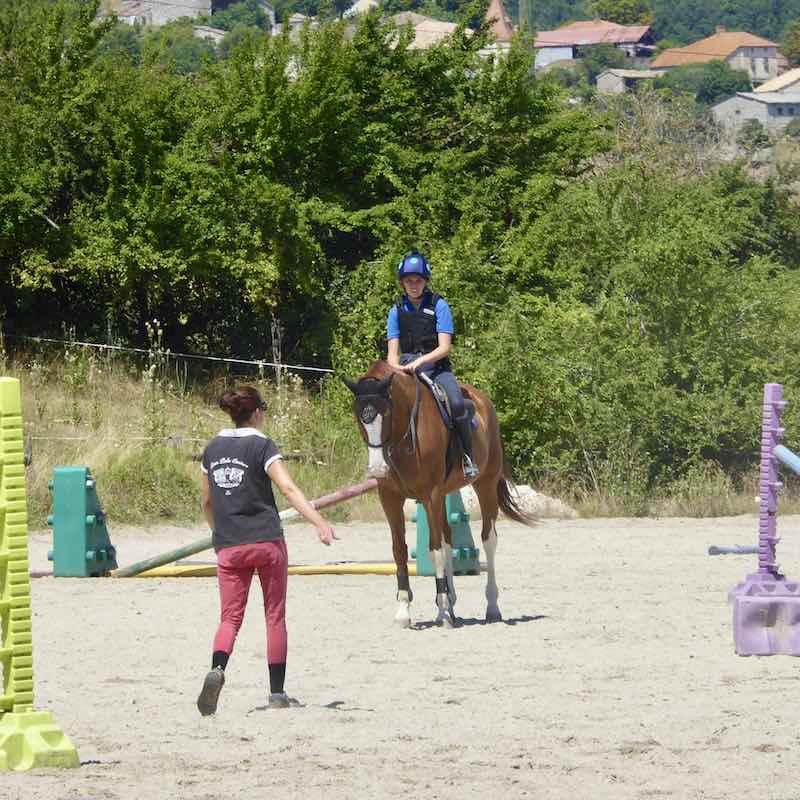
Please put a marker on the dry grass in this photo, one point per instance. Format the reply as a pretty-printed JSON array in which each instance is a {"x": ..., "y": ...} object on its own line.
[
  {"x": 141, "y": 429},
  {"x": 142, "y": 432}
]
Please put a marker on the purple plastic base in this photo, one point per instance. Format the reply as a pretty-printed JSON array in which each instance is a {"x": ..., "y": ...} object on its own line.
[{"x": 766, "y": 616}]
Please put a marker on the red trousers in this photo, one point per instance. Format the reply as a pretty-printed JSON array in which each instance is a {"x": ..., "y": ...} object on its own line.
[{"x": 235, "y": 568}]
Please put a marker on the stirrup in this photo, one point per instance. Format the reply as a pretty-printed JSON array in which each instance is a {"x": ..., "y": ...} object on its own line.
[{"x": 471, "y": 471}]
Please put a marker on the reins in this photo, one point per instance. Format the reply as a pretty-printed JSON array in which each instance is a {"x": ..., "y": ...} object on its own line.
[{"x": 411, "y": 433}]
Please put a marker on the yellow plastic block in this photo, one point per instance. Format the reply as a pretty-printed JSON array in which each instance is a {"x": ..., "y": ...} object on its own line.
[{"x": 31, "y": 739}]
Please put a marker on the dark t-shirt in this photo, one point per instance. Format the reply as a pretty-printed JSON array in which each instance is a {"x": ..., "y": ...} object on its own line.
[{"x": 243, "y": 505}]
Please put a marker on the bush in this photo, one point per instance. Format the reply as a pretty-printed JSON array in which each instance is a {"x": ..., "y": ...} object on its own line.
[
  {"x": 752, "y": 136},
  {"x": 708, "y": 83}
]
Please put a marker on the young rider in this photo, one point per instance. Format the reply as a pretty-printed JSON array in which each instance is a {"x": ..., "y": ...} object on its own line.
[{"x": 420, "y": 335}]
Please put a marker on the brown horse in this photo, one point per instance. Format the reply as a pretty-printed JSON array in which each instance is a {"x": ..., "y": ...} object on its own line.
[{"x": 411, "y": 453}]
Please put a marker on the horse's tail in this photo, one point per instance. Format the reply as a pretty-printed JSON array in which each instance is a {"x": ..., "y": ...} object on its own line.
[{"x": 508, "y": 504}]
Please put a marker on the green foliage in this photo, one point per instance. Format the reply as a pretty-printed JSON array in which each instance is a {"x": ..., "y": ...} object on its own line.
[
  {"x": 236, "y": 37},
  {"x": 792, "y": 130},
  {"x": 175, "y": 47},
  {"x": 709, "y": 83},
  {"x": 122, "y": 41},
  {"x": 619, "y": 293},
  {"x": 601, "y": 57},
  {"x": 249, "y": 13},
  {"x": 690, "y": 20},
  {"x": 790, "y": 44},
  {"x": 752, "y": 136},
  {"x": 623, "y": 12}
]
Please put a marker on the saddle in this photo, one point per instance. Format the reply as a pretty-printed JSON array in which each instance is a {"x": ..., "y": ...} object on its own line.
[
  {"x": 453, "y": 454},
  {"x": 443, "y": 404}
]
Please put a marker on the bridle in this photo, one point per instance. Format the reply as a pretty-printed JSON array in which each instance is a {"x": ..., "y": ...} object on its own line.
[{"x": 370, "y": 411}]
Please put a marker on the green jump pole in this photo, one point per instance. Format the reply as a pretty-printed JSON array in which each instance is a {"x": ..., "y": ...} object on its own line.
[{"x": 339, "y": 496}]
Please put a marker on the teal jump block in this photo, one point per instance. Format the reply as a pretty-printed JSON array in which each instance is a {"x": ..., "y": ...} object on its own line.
[
  {"x": 465, "y": 554},
  {"x": 81, "y": 545}
]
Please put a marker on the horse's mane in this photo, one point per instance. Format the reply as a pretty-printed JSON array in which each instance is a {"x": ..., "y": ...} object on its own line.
[{"x": 378, "y": 371}]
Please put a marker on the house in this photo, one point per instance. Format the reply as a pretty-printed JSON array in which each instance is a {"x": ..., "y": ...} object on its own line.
[
  {"x": 618, "y": 81},
  {"x": 774, "y": 110},
  {"x": 154, "y": 12},
  {"x": 743, "y": 51},
  {"x": 427, "y": 31},
  {"x": 564, "y": 43},
  {"x": 502, "y": 28},
  {"x": 788, "y": 82},
  {"x": 160, "y": 12}
]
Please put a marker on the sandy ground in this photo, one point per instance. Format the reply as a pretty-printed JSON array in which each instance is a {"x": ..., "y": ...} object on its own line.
[{"x": 612, "y": 676}]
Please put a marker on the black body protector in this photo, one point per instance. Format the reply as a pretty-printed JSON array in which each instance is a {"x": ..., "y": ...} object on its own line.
[{"x": 418, "y": 328}]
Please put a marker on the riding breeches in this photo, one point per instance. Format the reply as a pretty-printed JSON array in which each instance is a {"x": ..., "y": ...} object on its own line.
[{"x": 445, "y": 379}]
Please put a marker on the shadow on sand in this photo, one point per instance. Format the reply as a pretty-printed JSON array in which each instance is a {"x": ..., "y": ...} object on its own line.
[{"x": 463, "y": 622}]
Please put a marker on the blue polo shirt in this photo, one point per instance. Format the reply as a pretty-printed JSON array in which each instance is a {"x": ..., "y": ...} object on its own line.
[{"x": 444, "y": 318}]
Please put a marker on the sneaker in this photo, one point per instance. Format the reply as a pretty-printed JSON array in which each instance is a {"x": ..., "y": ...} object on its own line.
[
  {"x": 280, "y": 700},
  {"x": 212, "y": 686}
]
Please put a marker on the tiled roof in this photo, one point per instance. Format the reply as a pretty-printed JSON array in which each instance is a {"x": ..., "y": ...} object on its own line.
[
  {"x": 591, "y": 32},
  {"x": 776, "y": 84},
  {"x": 502, "y": 27},
  {"x": 427, "y": 31},
  {"x": 634, "y": 73},
  {"x": 719, "y": 46},
  {"x": 771, "y": 98}
]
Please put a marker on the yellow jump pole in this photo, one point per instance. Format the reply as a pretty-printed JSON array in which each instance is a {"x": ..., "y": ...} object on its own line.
[
  {"x": 343, "y": 568},
  {"x": 28, "y": 738}
]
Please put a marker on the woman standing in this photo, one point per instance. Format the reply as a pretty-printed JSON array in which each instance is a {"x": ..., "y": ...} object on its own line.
[{"x": 239, "y": 466}]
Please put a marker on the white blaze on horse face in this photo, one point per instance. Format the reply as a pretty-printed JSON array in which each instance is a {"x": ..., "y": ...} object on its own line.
[{"x": 377, "y": 466}]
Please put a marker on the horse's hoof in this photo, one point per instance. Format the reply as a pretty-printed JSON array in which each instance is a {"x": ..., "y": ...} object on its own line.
[
  {"x": 494, "y": 615},
  {"x": 402, "y": 622}
]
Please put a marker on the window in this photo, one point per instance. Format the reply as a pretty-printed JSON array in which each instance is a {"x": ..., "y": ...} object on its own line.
[{"x": 779, "y": 109}]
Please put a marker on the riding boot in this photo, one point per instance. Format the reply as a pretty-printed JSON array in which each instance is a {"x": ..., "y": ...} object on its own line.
[{"x": 464, "y": 430}]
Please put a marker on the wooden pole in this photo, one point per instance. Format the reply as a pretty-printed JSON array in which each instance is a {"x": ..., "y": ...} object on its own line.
[{"x": 339, "y": 496}]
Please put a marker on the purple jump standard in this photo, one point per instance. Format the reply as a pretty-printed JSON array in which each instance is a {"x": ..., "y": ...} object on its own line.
[{"x": 766, "y": 606}]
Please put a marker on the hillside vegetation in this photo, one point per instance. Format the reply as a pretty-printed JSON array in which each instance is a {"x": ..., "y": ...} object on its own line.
[{"x": 620, "y": 292}]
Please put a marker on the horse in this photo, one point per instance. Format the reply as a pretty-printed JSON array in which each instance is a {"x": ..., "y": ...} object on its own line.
[{"x": 414, "y": 454}]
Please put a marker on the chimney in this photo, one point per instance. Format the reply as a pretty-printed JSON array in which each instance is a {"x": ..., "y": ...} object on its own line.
[{"x": 720, "y": 29}]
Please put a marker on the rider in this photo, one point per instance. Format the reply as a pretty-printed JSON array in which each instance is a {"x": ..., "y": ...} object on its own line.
[{"x": 420, "y": 335}]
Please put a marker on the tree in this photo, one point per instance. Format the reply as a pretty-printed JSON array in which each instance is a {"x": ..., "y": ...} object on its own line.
[
  {"x": 709, "y": 83},
  {"x": 122, "y": 40},
  {"x": 600, "y": 57},
  {"x": 752, "y": 136},
  {"x": 790, "y": 45},
  {"x": 246, "y": 12},
  {"x": 623, "y": 12},
  {"x": 176, "y": 47}
]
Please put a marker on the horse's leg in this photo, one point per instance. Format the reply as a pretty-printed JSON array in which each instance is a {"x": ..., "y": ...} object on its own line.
[
  {"x": 448, "y": 557},
  {"x": 393, "y": 508},
  {"x": 486, "y": 489},
  {"x": 434, "y": 509}
]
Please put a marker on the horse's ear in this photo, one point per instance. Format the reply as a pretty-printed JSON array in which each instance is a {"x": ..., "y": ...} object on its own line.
[
  {"x": 383, "y": 386},
  {"x": 351, "y": 385}
]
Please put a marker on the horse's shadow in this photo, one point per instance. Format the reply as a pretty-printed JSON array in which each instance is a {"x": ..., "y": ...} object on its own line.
[{"x": 464, "y": 622}]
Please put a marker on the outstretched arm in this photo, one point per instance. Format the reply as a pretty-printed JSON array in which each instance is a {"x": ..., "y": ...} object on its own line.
[{"x": 280, "y": 476}]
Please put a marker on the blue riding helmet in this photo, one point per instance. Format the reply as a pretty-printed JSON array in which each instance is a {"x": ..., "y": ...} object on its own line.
[{"x": 414, "y": 264}]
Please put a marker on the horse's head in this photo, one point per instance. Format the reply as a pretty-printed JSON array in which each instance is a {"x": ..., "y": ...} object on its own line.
[{"x": 372, "y": 406}]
